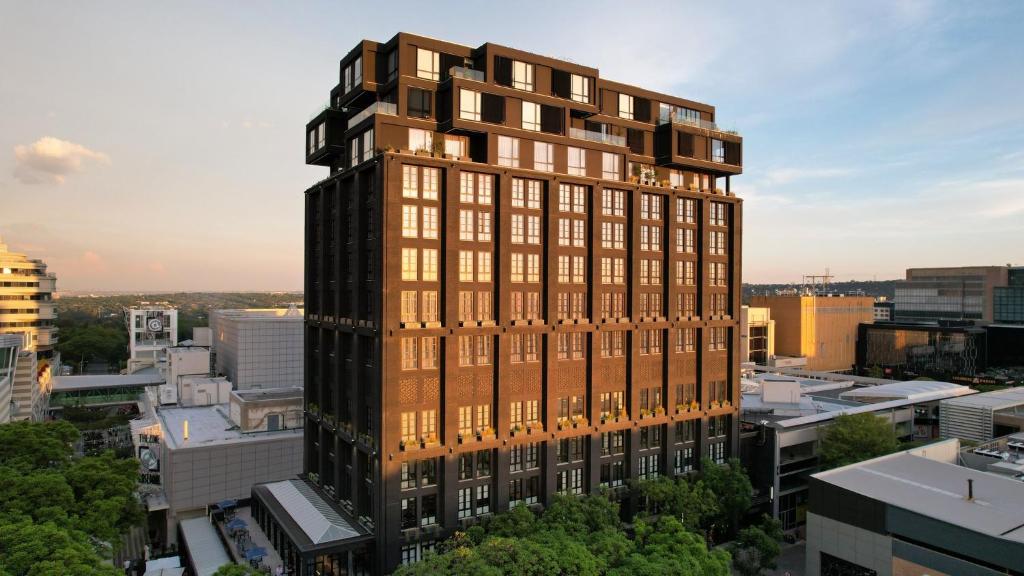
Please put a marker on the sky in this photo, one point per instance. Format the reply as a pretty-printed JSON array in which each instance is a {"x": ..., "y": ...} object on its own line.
[{"x": 159, "y": 146}]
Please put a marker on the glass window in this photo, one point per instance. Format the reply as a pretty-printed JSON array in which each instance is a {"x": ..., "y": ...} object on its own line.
[
  {"x": 717, "y": 150},
  {"x": 420, "y": 139},
  {"x": 580, "y": 86},
  {"x": 522, "y": 75},
  {"x": 428, "y": 64},
  {"x": 543, "y": 156},
  {"x": 469, "y": 104},
  {"x": 625, "y": 106},
  {"x": 577, "y": 161},
  {"x": 611, "y": 166},
  {"x": 508, "y": 151},
  {"x": 410, "y": 221},
  {"x": 531, "y": 116}
]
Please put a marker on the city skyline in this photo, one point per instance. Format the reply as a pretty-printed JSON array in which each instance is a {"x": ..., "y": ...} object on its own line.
[{"x": 878, "y": 136}]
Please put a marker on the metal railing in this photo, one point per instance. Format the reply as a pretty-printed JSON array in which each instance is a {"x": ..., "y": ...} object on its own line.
[
  {"x": 375, "y": 108},
  {"x": 590, "y": 135},
  {"x": 699, "y": 123},
  {"x": 466, "y": 73}
]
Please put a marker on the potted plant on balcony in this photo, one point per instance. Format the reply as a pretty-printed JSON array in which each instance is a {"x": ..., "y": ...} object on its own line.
[
  {"x": 694, "y": 405},
  {"x": 401, "y": 445},
  {"x": 636, "y": 174},
  {"x": 313, "y": 409},
  {"x": 437, "y": 147},
  {"x": 516, "y": 429},
  {"x": 659, "y": 411}
]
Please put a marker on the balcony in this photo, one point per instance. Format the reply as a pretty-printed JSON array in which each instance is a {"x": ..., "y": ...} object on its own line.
[
  {"x": 375, "y": 108},
  {"x": 592, "y": 136},
  {"x": 680, "y": 120},
  {"x": 467, "y": 73}
]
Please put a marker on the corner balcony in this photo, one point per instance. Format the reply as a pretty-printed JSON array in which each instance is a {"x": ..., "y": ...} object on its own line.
[
  {"x": 325, "y": 136},
  {"x": 594, "y": 136},
  {"x": 693, "y": 144},
  {"x": 387, "y": 108}
]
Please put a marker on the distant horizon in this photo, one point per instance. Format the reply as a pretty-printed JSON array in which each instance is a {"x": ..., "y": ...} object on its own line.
[{"x": 877, "y": 136}]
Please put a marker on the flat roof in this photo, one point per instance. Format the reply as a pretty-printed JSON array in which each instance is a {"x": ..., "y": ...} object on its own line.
[
  {"x": 260, "y": 394},
  {"x": 995, "y": 400},
  {"x": 920, "y": 390},
  {"x": 96, "y": 382},
  {"x": 938, "y": 490},
  {"x": 203, "y": 545},
  {"x": 209, "y": 426}
]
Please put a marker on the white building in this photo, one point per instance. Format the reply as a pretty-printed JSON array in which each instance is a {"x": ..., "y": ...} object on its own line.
[
  {"x": 151, "y": 330},
  {"x": 258, "y": 348},
  {"x": 182, "y": 361},
  {"x": 10, "y": 348},
  {"x": 27, "y": 310}
]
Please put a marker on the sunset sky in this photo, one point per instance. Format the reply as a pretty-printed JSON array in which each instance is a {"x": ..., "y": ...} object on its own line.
[{"x": 159, "y": 146}]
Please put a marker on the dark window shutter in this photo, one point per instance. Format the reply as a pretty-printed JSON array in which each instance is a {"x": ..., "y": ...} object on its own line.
[
  {"x": 560, "y": 83},
  {"x": 502, "y": 71},
  {"x": 447, "y": 61},
  {"x": 492, "y": 108},
  {"x": 420, "y": 102},
  {"x": 635, "y": 140},
  {"x": 685, "y": 147},
  {"x": 642, "y": 109},
  {"x": 551, "y": 119}
]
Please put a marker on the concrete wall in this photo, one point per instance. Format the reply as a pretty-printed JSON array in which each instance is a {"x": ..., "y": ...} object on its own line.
[
  {"x": 821, "y": 328},
  {"x": 196, "y": 477},
  {"x": 258, "y": 352},
  {"x": 862, "y": 547}
]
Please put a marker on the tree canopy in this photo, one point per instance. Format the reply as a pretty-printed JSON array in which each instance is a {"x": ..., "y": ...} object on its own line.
[
  {"x": 57, "y": 510},
  {"x": 856, "y": 437},
  {"x": 579, "y": 536},
  {"x": 757, "y": 547}
]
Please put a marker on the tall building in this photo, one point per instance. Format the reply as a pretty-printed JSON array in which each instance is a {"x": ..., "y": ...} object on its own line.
[
  {"x": 966, "y": 293},
  {"x": 522, "y": 279},
  {"x": 258, "y": 348},
  {"x": 819, "y": 327},
  {"x": 1008, "y": 301},
  {"x": 757, "y": 335},
  {"x": 28, "y": 310},
  {"x": 10, "y": 349}
]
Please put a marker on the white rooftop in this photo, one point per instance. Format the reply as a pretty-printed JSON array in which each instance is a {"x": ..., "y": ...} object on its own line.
[
  {"x": 919, "y": 390},
  {"x": 208, "y": 426},
  {"x": 938, "y": 490},
  {"x": 204, "y": 545},
  {"x": 995, "y": 400},
  {"x": 92, "y": 382}
]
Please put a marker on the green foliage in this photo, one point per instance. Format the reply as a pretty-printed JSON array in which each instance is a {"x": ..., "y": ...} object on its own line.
[
  {"x": 236, "y": 570},
  {"x": 732, "y": 489},
  {"x": 757, "y": 547},
  {"x": 856, "y": 437},
  {"x": 93, "y": 342},
  {"x": 48, "y": 549},
  {"x": 691, "y": 502},
  {"x": 56, "y": 510},
  {"x": 574, "y": 536}
]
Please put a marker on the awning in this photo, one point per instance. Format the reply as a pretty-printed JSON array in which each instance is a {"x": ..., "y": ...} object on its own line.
[
  {"x": 254, "y": 553},
  {"x": 236, "y": 524}
]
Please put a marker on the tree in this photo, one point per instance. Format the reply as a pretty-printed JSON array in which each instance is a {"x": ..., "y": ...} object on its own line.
[
  {"x": 856, "y": 437},
  {"x": 732, "y": 489},
  {"x": 573, "y": 536},
  {"x": 48, "y": 549},
  {"x": 691, "y": 502},
  {"x": 757, "y": 547}
]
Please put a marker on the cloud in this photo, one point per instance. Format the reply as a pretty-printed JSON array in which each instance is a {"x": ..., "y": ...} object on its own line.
[{"x": 51, "y": 160}]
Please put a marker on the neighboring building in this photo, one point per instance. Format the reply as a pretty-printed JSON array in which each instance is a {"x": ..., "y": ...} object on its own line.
[
  {"x": 258, "y": 348},
  {"x": 26, "y": 301},
  {"x": 10, "y": 349},
  {"x": 152, "y": 329},
  {"x": 1008, "y": 307},
  {"x": 192, "y": 457},
  {"x": 819, "y": 327},
  {"x": 901, "y": 350},
  {"x": 27, "y": 309},
  {"x": 884, "y": 310},
  {"x": 913, "y": 513},
  {"x": 182, "y": 361},
  {"x": 757, "y": 335},
  {"x": 1003, "y": 455},
  {"x": 584, "y": 288},
  {"x": 930, "y": 294},
  {"x": 982, "y": 417},
  {"x": 784, "y": 418}
]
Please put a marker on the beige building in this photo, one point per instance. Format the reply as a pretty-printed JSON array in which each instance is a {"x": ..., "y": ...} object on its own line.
[
  {"x": 10, "y": 349},
  {"x": 28, "y": 310},
  {"x": 819, "y": 327},
  {"x": 757, "y": 335}
]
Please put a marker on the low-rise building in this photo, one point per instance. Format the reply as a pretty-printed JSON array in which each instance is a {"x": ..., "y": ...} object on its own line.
[
  {"x": 955, "y": 293},
  {"x": 982, "y": 417},
  {"x": 913, "y": 513},
  {"x": 884, "y": 309},
  {"x": 258, "y": 348},
  {"x": 818, "y": 326},
  {"x": 192, "y": 457},
  {"x": 152, "y": 329},
  {"x": 784, "y": 417}
]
